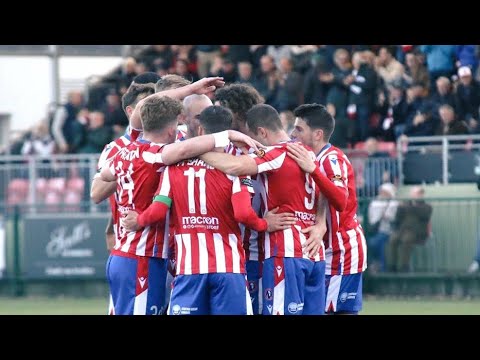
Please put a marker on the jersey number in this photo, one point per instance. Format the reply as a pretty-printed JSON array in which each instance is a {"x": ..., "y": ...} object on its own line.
[
  {"x": 191, "y": 185},
  {"x": 126, "y": 181},
  {"x": 310, "y": 189}
]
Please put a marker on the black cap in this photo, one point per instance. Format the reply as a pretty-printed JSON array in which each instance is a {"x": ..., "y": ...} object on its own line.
[{"x": 146, "y": 78}]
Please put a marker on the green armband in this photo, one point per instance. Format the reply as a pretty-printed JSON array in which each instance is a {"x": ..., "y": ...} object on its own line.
[{"x": 163, "y": 199}]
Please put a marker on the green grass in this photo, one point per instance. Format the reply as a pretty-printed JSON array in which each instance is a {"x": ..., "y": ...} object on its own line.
[{"x": 371, "y": 306}]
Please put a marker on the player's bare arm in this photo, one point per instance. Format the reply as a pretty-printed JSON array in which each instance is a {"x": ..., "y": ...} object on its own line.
[
  {"x": 101, "y": 190},
  {"x": 202, "y": 86},
  {"x": 317, "y": 231},
  {"x": 336, "y": 195},
  {"x": 107, "y": 175},
  {"x": 272, "y": 221},
  {"x": 232, "y": 165},
  {"x": 173, "y": 153}
]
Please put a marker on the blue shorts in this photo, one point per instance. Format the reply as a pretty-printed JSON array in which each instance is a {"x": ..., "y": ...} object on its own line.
[
  {"x": 254, "y": 277},
  {"x": 344, "y": 293},
  {"x": 210, "y": 294},
  {"x": 293, "y": 286},
  {"x": 137, "y": 285}
]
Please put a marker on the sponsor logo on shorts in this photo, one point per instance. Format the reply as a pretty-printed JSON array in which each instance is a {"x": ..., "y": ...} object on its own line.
[
  {"x": 252, "y": 286},
  {"x": 183, "y": 310},
  {"x": 347, "y": 296},
  {"x": 293, "y": 308}
]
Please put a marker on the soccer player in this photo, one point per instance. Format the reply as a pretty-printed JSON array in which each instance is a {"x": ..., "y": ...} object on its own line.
[
  {"x": 134, "y": 94},
  {"x": 207, "y": 206},
  {"x": 346, "y": 251},
  {"x": 240, "y": 98},
  {"x": 137, "y": 267},
  {"x": 294, "y": 266}
]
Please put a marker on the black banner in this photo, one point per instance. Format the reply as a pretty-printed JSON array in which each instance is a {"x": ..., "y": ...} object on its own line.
[{"x": 64, "y": 246}]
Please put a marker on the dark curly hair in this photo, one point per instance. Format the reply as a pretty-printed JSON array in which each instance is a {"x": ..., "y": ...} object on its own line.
[{"x": 239, "y": 98}]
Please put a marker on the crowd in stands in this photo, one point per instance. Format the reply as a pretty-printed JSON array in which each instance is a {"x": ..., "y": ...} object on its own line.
[{"x": 379, "y": 91}]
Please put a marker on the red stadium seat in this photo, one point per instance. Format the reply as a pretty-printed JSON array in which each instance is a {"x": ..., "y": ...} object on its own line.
[
  {"x": 57, "y": 185},
  {"x": 388, "y": 146},
  {"x": 18, "y": 186},
  {"x": 76, "y": 184},
  {"x": 41, "y": 186},
  {"x": 72, "y": 201},
  {"x": 52, "y": 201}
]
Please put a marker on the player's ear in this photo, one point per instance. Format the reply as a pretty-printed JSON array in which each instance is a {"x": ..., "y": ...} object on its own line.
[
  {"x": 201, "y": 130},
  {"x": 262, "y": 132},
  {"x": 318, "y": 134},
  {"x": 129, "y": 111}
]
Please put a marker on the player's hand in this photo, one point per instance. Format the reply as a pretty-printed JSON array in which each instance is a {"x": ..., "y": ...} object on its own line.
[
  {"x": 314, "y": 239},
  {"x": 279, "y": 221},
  {"x": 207, "y": 85},
  {"x": 110, "y": 239},
  {"x": 302, "y": 156},
  {"x": 243, "y": 141},
  {"x": 129, "y": 222}
]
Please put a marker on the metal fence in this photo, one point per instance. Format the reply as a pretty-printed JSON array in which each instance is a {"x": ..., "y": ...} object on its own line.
[
  {"x": 439, "y": 159},
  {"x": 59, "y": 182}
]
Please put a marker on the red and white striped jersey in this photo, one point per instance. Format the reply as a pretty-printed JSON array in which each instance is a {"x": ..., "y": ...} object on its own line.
[
  {"x": 252, "y": 240},
  {"x": 107, "y": 155},
  {"x": 207, "y": 237},
  {"x": 137, "y": 168},
  {"x": 346, "y": 249},
  {"x": 285, "y": 185}
]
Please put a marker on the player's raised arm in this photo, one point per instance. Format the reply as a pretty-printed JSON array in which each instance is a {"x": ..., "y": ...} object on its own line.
[
  {"x": 173, "y": 153},
  {"x": 331, "y": 185},
  {"x": 202, "y": 86},
  {"x": 232, "y": 165}
]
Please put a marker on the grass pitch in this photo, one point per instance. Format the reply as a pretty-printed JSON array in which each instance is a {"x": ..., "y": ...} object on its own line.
[{"x": 371, "y": 306}]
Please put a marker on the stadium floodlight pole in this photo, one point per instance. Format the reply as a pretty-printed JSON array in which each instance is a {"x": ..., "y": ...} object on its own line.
[{"x": 53, "y": 50}]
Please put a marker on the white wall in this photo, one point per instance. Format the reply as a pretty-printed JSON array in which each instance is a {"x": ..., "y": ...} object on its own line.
[
  {"x": 26, "y": 83},
  {"x": 25, "y": 88}
]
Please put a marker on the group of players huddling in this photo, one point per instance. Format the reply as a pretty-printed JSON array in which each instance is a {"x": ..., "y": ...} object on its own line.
[{"x": 233, "y": 217}]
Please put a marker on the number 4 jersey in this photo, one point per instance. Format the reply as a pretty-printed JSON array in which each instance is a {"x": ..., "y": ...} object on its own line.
[{"x": 137, "y": 168}]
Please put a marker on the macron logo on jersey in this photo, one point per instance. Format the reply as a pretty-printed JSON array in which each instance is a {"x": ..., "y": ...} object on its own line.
[
  {"x": 208, "y": 222},
  {"x": 279, "y": 270},
  {"x": 142, "y": 281}
]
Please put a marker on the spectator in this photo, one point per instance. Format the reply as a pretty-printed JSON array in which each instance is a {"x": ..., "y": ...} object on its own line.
[
  {"x": 205, "y": 56},
  {"x": 443, "y": 95},
  {"x": 267, "y": 80},
  {"x": 449, "y": 125},
  {"x": 65, "y": 126},
  {"x": 381, "y": 214},
  {"x": 97, "y": 135},
  {"x": 362, "y": 83},
  {"x": 440, "y": 61},
  {"x": 387, "y": 67},
  {"x": 467, "y": 56},
  {"x": 245, "y": 73},
  {"x": 39, "y": 142},
  {"x": 468, "y": 98},
  {"x": 419, "y": 121},
  {"x": 290, "y": 87},
  {"x": 415, "y": 70},
  {"x": 412, "y": 223},
  {"x": 115, "y": 117}
]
